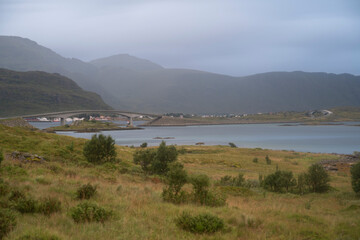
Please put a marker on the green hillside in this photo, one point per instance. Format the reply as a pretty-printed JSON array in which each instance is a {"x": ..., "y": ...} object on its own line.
[{"x": 24, "y": 93}]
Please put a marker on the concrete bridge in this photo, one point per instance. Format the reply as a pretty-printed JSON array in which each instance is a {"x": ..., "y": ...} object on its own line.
[{"x": 67, "y": 114}]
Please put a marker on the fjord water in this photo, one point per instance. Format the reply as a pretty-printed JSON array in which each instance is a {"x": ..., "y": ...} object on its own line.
[{"x": 343, "y": 139}]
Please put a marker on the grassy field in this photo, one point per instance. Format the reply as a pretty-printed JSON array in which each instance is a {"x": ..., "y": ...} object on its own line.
[
  {"x": 139, "y": 211},
  {"x": 87, "y": 126}
]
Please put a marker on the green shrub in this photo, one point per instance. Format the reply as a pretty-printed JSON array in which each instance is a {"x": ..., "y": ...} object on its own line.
[
  {"x": 302, "y": 183},
  {"x": 86, "y": 191},
  {"x": 145, "y": 158},
  {"x": 280, "y": 181},
  {"x": 203, "y": 223},
  {"x": 156, "y": 161},
  {"x": 100, "y": 149},
  {"x": 318, "y": 179},
  {"x": 238, "y": 181},
  {"x": 164, "y": 156},
  {"x": 144, "y": 145},
  {"x": 38, "y": 235},
  {"x": 175, "y": 180},
  {"x": 7, "y": 222},
  {"x": 232, "y": 145},
  {"x": 255, "y": 160},
  {"x": 268, "y": 160},
  {"x": 4, "y": 188},
  {"x": 89, "y": 212},
  {"x": 202, "y": 195},
  {"x": 355, "y": 177},
  {"x": 1, "y": 156},
  {"x": 15, "y": 195},
  {"x": 26, "y": 205},
  {"x": 49, "y": 205}
]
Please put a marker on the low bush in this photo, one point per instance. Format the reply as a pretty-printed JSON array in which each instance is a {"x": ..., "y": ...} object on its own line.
[
  {"x": 26, "y": 205},
  {"x": 280, "y": 181},
  {"x": 15, "y": 195},
  {"x": 318, "y": 179},
  {"x": 7, "y": 222},
  {"x": 255, "y": 160},
  {"x": 355, "y": 177},
  {"x": 100, "y": 149},
  {"x": 1, "y": 156},
  {"x": 89, "y": 212},
  {"x": 49, "y": 205},
  {"x": 175, "y": 180},
  {"x": 86, "y": 191},
  {"x": 38, "y": 235},
  {"x": 268, "y": 160},
  {"x": 4, "y": 188},
  {"x": 144, "y": 145},
  {"x": 203, "y": 223},
  {"x": 238, "y": 181},
  {"x": 232, "y": 145},
  {"x": 202, "y": 195}
]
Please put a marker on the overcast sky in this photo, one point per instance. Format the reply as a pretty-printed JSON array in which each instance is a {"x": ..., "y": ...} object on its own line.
[{"x": 233, "y": 37}]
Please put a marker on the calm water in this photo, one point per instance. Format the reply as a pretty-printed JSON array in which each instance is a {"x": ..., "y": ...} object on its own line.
[{"x": 329, "y": 139}]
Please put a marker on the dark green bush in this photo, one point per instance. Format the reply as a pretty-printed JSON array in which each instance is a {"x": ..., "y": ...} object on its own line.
[
  {"x": 255, "y": 160},
  {"x": 144, "y": 145},
  {"x": 100, "y": 149},
  {"x": 26, "y": 205},
  {"x": 7, "y": 222},
  {"x": 175, "y": 180},
  {"x": 355, "y": 177},
  {"x": 86, "y": 191},
  {"x": 145, "y": 158},
  {"x": 38, "y": 235},
  {"x": 280, "y": 181},
  {"x": 1, "y": 156},
  {"x": 318, "y": 179},
  {"x": 268, "y": 160},
  {"x": 89, "y": 212},
  {"x": 232, "y": 145},
  {"x": 201, "y": 193},
  {"x": 16, "y": 195},
  {"x": 156, "y": 161},
  {"x": 203, "y": 223},
  {"x": 49, "y": 205},
  {"x": 238, "y": 181},
  {"x": 4, "y": 188}
]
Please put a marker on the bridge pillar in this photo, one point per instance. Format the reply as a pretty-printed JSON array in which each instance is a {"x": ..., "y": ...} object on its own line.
[
  {"x": 62, "y": 121},
  {"x": 130, "y": 124}
]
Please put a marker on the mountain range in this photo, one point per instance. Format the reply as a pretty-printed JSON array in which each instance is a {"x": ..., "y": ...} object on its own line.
[{"x": 129, "y": 83}]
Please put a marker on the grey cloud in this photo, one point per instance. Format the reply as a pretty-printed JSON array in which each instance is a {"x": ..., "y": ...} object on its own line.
[{"x": 233, "y": 37}]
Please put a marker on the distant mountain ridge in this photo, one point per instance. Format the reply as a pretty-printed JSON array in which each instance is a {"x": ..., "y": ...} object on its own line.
[
  {"x": 23, "y": 93},
  {"x": 129, "y": 83}
]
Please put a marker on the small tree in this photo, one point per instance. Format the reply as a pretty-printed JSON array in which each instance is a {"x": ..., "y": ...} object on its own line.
[
  {"x": 355, "y": 177},
  {"x": 318, "y": 179},
  {"x": 100, "y": 149},
  {"x": 144, "y": 145},
  {"x": 200, "y": 184},
  {"x": 164, "y": 156},
  {"x": 145, "y": 159},
  {"x": 175, "y": 179}
]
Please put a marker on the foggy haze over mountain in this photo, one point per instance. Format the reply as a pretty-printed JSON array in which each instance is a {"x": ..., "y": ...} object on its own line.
[{"x": 229, "y": 37}]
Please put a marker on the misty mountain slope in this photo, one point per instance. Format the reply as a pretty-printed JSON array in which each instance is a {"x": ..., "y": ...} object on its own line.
[
  {"x": 129, "y": 83},
  {"x": 125, "y": 61},
  {"x": 24, "y": 93},
  {"x": 21, "y": 54}
]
